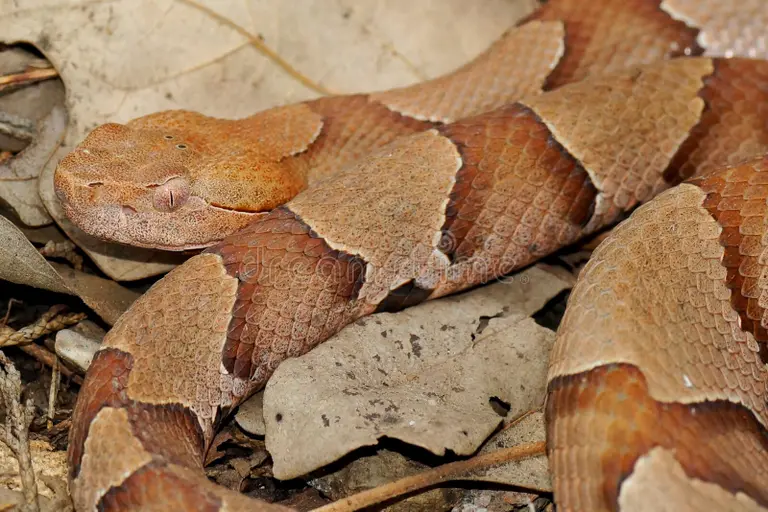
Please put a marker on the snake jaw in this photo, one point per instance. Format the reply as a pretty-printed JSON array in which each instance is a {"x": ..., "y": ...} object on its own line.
[
  {"x": 195, "y": 224},
  {"x": 156, "y": 209}
]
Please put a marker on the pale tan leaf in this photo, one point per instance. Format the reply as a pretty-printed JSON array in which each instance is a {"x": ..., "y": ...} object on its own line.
[
  {"x": 19, "y": 175},
  {"x": 126, "y": 58},
  {"x": 424, "y": 375},
  {"x": 250, "y": 415},
  {"x": 26, "y": 107},
  {"x": 530, "y": 473},
  {"x": 76, "y": 349},
  {"x": 21, "y": 263}
]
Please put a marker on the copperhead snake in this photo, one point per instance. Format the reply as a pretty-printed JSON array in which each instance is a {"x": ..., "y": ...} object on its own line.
[{"x": 375, "y": 202}]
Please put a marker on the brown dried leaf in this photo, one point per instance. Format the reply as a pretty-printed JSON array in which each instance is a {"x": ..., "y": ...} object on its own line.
[
  {"x": 19, "y": 175},
  {"x": 21, "y": 263},
  {"x": 424, "y": 375},
  {"x": 30, "y": 104},
  {"x": 120, "y": 60}
]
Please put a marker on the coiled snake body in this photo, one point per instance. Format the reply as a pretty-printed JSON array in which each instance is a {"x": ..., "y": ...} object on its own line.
[{"x": 657, "y": 387}]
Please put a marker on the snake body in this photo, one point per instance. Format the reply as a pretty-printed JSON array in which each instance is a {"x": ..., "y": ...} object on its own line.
[{"x": 663, "y": 341}]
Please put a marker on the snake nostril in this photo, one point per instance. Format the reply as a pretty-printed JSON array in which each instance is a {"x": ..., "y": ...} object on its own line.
[{"x": 95, "y": 184}]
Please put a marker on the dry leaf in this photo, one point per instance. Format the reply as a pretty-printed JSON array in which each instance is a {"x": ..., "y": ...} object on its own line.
[
  {"x": 385, "y": 466},
  {"x": 76, "y": 349},
  {"x": 122, "y": 59},
  {"x": 31, "y": 104},
  {"x": 424, "y": 375},
  {"x": 41, "y": 235},
  {"x": 21, "y": 263},
  {"x": 250, "y": 415},
  {"x": 19, "y": 175},
  {"x": 531, "y": 473}
]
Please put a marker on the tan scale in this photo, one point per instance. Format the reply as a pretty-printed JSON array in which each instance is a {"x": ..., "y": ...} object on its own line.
[
  {"x": 610, "y": 35},
  {"x": 649, "y": 113},
  {"x": 726, "y": 28},
  {"x": 485, "y": 83},
  {"x": 675, "y": 491},
  {"x": 518, "y": 196},
  {"x": 192, "y": 305},
  {"x": 693, "y": 348},
  {"x": 110, "y": 452},
  {"x": 601, "y": 422},
  {"x": 395, "y": 225},
  {"x": 732, "y": 127}
]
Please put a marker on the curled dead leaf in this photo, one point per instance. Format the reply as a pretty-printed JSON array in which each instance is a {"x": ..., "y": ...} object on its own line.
[
  {"x": 33, "y": 121},
  {"x": 21, "y": 263},
  {"x": 19, "y": 175}
]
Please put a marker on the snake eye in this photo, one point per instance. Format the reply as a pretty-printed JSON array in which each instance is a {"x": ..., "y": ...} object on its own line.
[{"x": 171, "y": 195}]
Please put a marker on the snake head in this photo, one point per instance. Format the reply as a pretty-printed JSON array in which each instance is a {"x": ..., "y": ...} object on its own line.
[{"x": 176, "y": 180}]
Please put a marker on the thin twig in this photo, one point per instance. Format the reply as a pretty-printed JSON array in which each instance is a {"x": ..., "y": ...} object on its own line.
[
  {"x": 65, "y": 249},
  {"x": 11, "y": 302},
  {"x": 54, "y": 391},
  {"x": 28, "y": 76},
  {"x": 15, "y": 434},
  {"x": 47, "y": 357},
  {"x": 51, "y": 321},
  {"x": 445, "y": 473}
]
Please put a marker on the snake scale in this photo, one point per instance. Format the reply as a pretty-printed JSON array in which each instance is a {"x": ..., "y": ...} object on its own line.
[{"x": 318, "y": 213}]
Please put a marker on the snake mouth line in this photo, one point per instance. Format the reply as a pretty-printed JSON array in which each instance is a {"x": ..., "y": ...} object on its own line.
[{"x": 234, "y": 210}]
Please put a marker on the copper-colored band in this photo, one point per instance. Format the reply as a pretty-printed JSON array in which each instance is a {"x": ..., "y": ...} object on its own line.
[
  {"x": 597, "y": 32},
  {"x": 602, "y": 421},
  {"x": 732, "y": 126},
  {"x": 511, "y": 160},
  {"x": 154, "y": 487},
  {"x": 736, "y": 199},
  {"x": 293, "y": 292}
]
